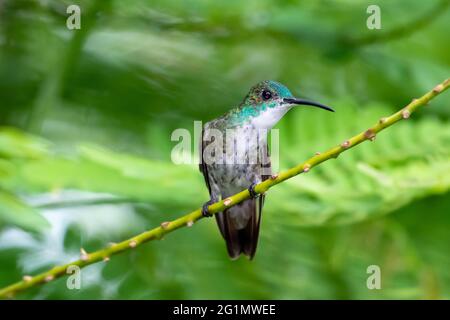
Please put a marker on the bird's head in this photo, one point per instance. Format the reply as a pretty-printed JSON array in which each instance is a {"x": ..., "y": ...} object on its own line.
[{"x": 268, "y": 101}]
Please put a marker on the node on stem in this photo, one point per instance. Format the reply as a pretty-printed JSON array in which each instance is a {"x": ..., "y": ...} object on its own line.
[{"x": 165, "y": 225}]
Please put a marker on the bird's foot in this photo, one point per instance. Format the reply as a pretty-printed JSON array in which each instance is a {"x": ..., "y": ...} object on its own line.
[
  {"x": 251, "y": 190},
  {"x": 205, "y": 211}
]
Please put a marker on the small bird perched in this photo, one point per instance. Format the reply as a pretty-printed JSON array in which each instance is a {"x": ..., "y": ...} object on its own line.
[{"x": 234, "y": 156}]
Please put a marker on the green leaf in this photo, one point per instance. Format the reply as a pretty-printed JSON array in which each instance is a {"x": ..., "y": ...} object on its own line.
[
  {"x": 15, "y": 212},
  {"x": 15, "y": 143},
  {"x": 98, "y": 169}
]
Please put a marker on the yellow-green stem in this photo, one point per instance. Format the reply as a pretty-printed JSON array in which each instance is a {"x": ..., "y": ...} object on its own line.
[{"x": 190, "y": 218}]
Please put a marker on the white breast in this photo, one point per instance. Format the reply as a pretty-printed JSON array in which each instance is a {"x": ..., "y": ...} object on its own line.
[{"x": 269, "y": 118}]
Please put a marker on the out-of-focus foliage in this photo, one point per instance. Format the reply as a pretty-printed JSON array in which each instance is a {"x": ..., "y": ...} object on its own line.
[
  {"x": 17, "y": 147},
  {"x": 85, "y": 145}
]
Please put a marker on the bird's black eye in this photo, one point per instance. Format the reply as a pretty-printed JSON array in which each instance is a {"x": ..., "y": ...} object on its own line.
[{"x": 266, "y": 94}]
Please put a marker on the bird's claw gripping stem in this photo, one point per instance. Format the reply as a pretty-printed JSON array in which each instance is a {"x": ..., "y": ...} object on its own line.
[
  {"x": 205, "y": 211},
  {"x": 251, "y": 190}
]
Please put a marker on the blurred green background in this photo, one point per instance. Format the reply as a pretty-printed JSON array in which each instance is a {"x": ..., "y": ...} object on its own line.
[{"x": 86, "y": 118}]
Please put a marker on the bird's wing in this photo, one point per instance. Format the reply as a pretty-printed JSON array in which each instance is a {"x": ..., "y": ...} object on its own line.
[
  {"x": 208, "y": 180},
  {"x": 202, "y": 165}
]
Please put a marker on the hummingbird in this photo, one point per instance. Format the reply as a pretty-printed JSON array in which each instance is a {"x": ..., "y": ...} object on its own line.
[{"x": 234, "y": 156}]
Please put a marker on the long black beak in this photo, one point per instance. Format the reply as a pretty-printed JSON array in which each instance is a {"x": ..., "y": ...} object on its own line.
[{"x": 306, "y": 102}]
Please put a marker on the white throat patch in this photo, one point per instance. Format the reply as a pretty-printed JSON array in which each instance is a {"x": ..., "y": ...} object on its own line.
[{"x": 269, "y": 118}]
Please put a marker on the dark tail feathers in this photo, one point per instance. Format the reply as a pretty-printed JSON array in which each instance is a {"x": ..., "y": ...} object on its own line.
[{"x": 239, "y": 226}]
